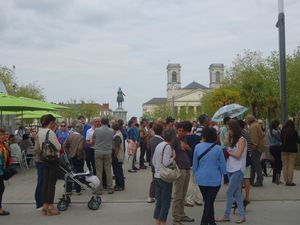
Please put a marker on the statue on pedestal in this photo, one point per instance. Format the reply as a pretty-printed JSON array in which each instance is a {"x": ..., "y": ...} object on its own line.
[{"x": 120, "y": 98}]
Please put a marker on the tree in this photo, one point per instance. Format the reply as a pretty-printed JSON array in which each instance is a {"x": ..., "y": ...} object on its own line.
[
  {"x": 216, "y": 98},
  {"x": 30, "y": 91},
  {"x": 88, "y": 109},
  {"x": 256, "y": 80},
  {"x": 293, "y": 83},
  {"x": 8, "y": 79},
  {"x": 161, "y": 111}
]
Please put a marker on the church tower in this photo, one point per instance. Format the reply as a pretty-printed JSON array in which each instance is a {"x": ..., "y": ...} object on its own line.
[
  {"x": 174, "y": 78},
  {"x": 216, "y": 72}
]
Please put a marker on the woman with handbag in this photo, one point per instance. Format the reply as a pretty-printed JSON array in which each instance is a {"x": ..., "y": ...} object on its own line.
[
  {"x": 163, "y": 156},
  {"x": 209, "y": 166},
  {"x": 236, "y": 165},
  {"x": 4, "y": 154},
  {"x": 46, "y": 134}
]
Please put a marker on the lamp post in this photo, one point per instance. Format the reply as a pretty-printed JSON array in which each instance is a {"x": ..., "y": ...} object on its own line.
[
  {"x": 282, "y": 62},
  {"x": 174, "y": 86}
]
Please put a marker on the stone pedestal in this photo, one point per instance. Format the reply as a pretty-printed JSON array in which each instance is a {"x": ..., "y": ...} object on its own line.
[{"x": 120, "y": 113}]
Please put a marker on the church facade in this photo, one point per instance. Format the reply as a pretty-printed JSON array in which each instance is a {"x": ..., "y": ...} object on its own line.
[{"x": 185, "y": 98}]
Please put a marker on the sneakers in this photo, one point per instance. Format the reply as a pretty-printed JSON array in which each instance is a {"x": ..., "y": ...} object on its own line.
[
  {"x": 132, "y": 171},
  {"x": 150, "y": 200},
  {"x": 143, "y": 167}
]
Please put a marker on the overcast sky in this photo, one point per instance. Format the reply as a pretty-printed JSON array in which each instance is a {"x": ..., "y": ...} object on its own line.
[{"x": 87, "y": 49}]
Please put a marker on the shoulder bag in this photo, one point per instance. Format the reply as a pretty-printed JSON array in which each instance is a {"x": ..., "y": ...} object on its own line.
[
  {"x": 168, "y": 173},
  {"x": 205, "y": 152},
  {"x": 49, "y": 151}
]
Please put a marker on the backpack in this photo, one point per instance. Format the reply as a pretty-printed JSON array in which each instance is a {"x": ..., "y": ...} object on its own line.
[{"x": 49, "y": 151}]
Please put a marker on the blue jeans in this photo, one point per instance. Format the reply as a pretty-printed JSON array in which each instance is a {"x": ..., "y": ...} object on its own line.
[
  {"x": 118, "y": 171},
  {"x": 39, "y": 185},
  {"x": 234, "y": 191},
  {"x": 163, "y": 199}
]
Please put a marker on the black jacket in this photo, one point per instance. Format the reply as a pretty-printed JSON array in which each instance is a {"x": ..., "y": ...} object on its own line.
[{"x": 290, "y": 142}]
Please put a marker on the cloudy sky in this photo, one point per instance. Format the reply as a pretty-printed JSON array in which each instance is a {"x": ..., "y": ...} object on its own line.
[{"x": 87, "y": 49}]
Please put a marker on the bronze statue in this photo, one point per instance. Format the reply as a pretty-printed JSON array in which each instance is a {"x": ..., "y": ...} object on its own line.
[{"x": 120, "y": 98}]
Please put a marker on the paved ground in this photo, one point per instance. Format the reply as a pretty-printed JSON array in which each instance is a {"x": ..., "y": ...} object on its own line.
[{"x": 271, "y": 204}]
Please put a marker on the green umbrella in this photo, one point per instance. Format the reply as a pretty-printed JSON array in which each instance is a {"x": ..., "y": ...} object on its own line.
[
  {"x": 12, "y": 103},
  {"x": 42, "y": 103},
  {"x": 36, "y": 114}
]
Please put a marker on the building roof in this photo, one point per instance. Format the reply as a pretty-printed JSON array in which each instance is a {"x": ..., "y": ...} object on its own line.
[
  {"x": 195, "y": 85},
  {"x": 156, "y": 101},
  {"x": 220, "y": 65}
]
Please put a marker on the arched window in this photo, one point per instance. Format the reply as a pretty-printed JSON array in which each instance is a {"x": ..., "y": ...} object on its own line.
[
  {"x": 218, "y": 77},
  {"x": 174, "y": 77}
]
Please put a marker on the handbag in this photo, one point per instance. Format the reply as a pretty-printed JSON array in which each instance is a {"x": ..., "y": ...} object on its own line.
[
  {"x": 8, "y": 172},
  {"x": 49, "y": 152},
  {"x": 168, "y": 173}
]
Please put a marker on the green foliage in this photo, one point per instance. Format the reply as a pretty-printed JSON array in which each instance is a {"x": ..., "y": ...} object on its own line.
[
  {"x": 30, "y": 90},
  {"x": 256, "y": 79},
  {"x": 89, "y": 109},
  {"x": 216, "y": 98},
  {"x": 164, "y": 110},
  {"x": 8, "y": 79},
  {"x": 148, "y": 116},
  {"x": 293, "y": 83}
]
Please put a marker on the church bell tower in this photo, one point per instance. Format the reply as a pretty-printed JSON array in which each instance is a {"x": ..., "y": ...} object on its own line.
[
  {"x": 174, "y": 78},
  {"x": 216, "y": 72}
]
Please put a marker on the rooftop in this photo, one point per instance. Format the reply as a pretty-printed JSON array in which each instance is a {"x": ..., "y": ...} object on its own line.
[
  {"x": 195, "y": 85},
  {"x": 156, "y": 101},
  {"x": 221, "y": 65}
]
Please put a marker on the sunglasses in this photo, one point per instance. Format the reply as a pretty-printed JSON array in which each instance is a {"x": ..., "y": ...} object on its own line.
[{"x": 63, "y": 125}]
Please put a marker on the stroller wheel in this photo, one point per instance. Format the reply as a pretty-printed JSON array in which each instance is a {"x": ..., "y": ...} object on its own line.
[
  {"x": 67, "y": 198},
  {"x": 94, "y": 204},
  {"x": 62, "y": 205},
  {"x": 99, "y": 199}
]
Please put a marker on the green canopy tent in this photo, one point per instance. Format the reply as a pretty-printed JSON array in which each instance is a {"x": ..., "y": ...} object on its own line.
[
  {"x": 36, "y": 114},
  {"x": 42, "y": 103},
  {"x": 21, "y": 104}
]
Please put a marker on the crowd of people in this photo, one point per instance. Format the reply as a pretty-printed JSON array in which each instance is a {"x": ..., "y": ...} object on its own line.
[{"x": 205, "y": 154}]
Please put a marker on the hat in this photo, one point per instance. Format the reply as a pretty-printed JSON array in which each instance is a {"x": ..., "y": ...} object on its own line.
[{"x": 170, "y": 119}]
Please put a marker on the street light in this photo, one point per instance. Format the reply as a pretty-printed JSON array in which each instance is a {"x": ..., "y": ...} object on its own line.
[
  {"x": 14, "y": 86},
  {"x": 174, "y": 86},
  {"x": 282, "y": 62}
]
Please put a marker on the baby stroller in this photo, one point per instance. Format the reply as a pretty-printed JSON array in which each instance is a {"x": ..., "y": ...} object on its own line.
[{"x": 84, "y": 180}]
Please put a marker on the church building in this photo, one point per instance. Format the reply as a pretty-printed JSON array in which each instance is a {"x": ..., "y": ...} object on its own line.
[{"x": 188, "y": 97}]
